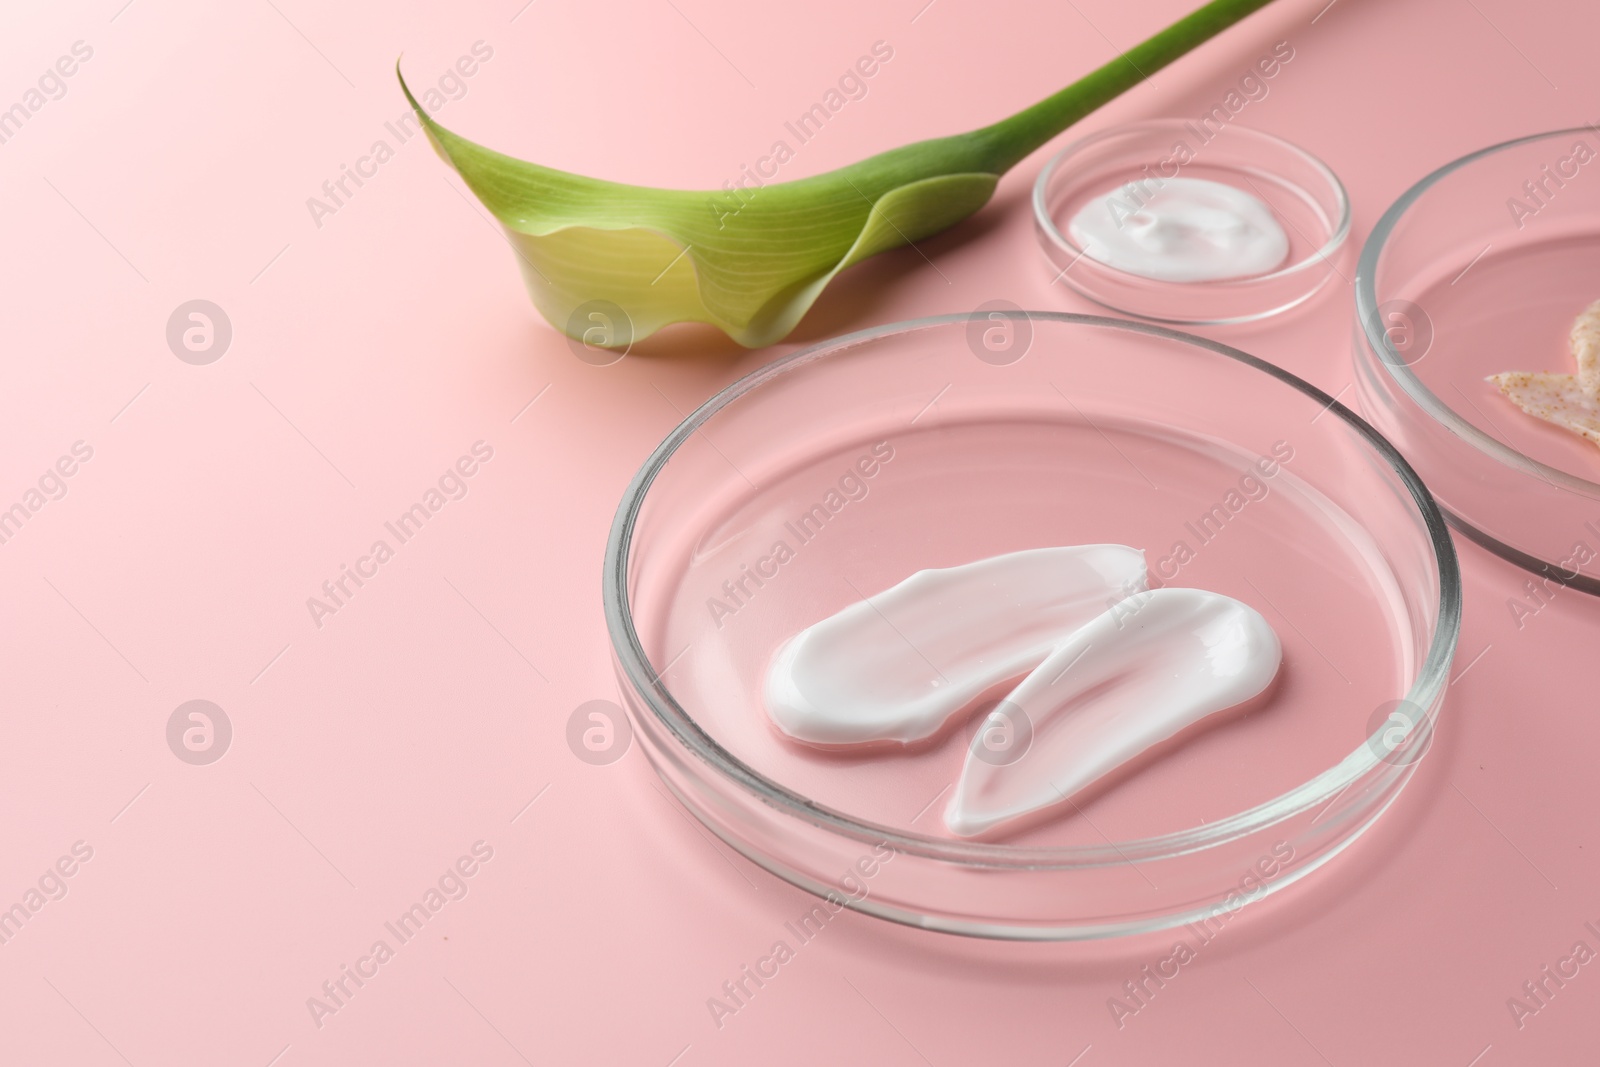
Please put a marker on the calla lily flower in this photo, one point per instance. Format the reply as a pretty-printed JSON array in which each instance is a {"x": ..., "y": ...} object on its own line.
[{"x": 610, "y": 264}]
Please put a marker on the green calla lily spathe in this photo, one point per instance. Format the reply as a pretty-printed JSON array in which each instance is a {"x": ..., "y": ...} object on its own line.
[{"x": 610, "y": 264}]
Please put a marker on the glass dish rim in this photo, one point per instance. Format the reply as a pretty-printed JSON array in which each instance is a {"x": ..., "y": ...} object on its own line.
[
  {"x": 1337, "y": 235},
  {"x": 1429, "y": 683},
  {"x": 1377, "y": 342}
]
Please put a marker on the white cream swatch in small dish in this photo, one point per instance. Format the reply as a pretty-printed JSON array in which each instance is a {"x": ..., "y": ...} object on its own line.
[
  {"x": 1181, "y": 230},
  {"x": 1130, "y": 679},
  {"x": 897, "y": 666}
]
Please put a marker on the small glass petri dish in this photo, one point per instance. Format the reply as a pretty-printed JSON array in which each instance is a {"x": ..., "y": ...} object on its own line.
[
  {"x": 1480, "y": 268},
  {"x": 1305, "y": 197},
  {"x": 841, "y": 469}
]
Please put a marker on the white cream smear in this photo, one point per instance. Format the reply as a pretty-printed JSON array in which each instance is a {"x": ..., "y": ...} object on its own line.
[
  {"x": 1108, "y": 670},
  {"x": 1111, "y": 690},
  {"x": 1188, "y": 230},
  {"x": 897, "y": 666}
]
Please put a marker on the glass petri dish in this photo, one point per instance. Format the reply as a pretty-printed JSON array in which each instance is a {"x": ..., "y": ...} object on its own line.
[
  {"x": 1480, "y": 268},
  {"x": 1306, "y": 197},
  {"x": 991, "y": 433}
]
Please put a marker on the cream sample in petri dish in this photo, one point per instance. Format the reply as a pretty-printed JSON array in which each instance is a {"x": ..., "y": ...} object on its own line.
[
  {"x": 1570, "y": 398},
  {"x": 1191, "y": 222},
  {"x": 1481, "y": 268},
  {"x": 1095, "y": 667},
  {"x": 843, "y": 470}
]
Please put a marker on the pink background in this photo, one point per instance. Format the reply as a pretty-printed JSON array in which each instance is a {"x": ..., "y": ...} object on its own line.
[{"x": 369, "y": 754}]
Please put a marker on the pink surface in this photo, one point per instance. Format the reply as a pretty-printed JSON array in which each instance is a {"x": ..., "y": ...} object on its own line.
[{"x": 373, "y": 347}]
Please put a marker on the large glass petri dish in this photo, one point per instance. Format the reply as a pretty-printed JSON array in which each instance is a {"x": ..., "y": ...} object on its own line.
[{"x": 990, "y": 433}]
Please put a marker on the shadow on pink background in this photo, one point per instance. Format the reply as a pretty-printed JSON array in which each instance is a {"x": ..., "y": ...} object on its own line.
[{"x": 422, "y": 724}]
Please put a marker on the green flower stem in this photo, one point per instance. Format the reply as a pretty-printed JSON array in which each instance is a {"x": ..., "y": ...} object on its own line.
[{"x": 1013, "y": 139}]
